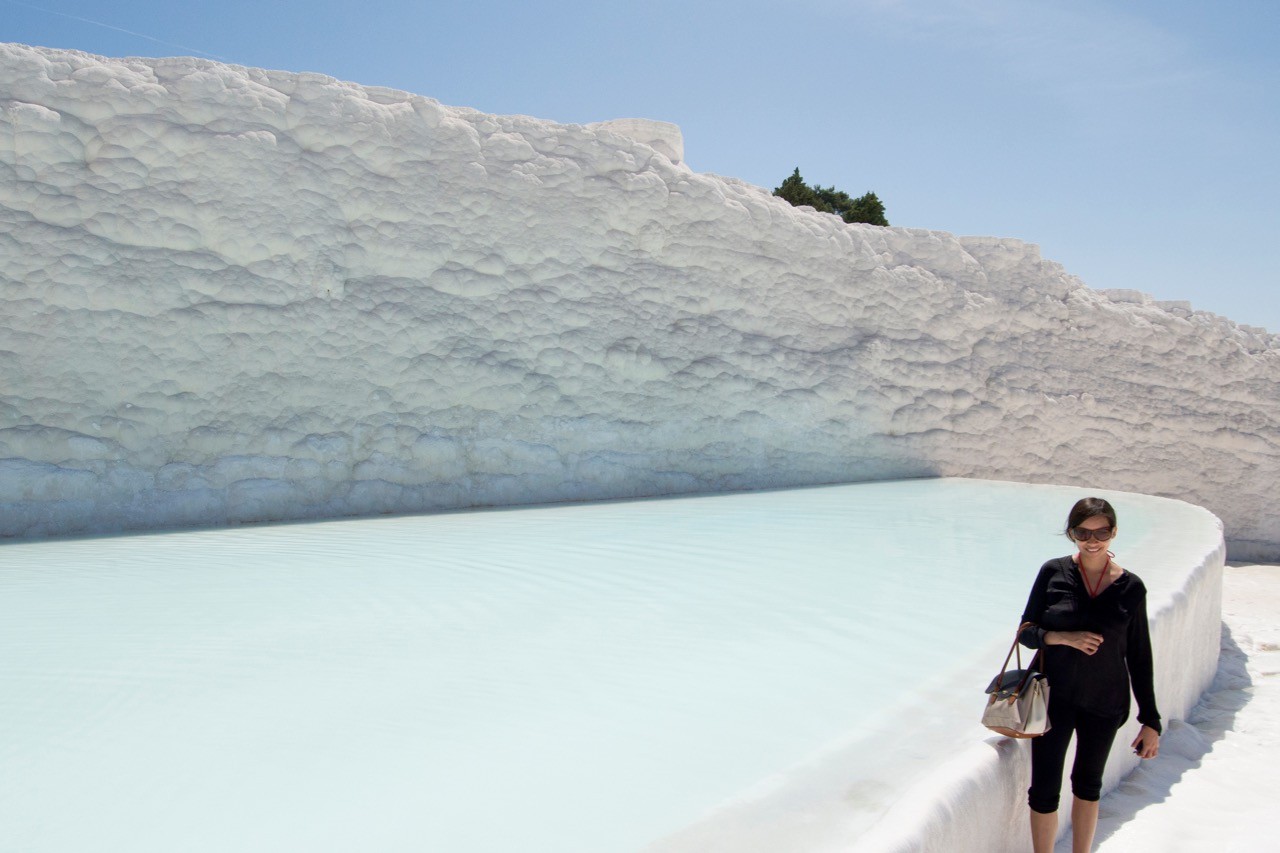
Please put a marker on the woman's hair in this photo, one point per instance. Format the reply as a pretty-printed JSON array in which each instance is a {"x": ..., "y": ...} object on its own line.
[{"x": 1087, "y": 508}]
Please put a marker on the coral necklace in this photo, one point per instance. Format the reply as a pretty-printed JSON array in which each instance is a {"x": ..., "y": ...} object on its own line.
[{"x": 1096, "y": 588}]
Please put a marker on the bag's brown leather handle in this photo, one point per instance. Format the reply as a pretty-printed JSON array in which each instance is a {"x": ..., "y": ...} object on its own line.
[{"x": 1015, "y": 649}]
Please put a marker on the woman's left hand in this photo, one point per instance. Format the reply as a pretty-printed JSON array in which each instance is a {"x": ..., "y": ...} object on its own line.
[{"x": 1147, "y": 743}]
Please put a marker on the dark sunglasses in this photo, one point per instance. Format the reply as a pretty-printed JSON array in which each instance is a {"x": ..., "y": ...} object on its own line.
[{"x": 1083, "y": 534}]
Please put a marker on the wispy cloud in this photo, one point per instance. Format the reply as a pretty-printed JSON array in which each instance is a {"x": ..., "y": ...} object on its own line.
[
  {"x": 1073, "y": 49},
  {"x": 106, "y": 26}
]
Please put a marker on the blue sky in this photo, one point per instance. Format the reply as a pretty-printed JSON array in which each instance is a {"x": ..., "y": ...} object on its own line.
[{"x": 1136, "y": 142}]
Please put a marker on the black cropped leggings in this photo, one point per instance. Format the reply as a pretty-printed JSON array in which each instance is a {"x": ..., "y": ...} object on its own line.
[{"x": 1094, "y": 736}]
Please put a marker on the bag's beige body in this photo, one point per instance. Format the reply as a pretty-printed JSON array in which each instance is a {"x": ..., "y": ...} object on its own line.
[{"x": 1024, "y": 714}]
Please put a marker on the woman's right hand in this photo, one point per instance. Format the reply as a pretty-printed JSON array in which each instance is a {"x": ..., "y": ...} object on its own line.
[{"x": 1085, "y": 641}]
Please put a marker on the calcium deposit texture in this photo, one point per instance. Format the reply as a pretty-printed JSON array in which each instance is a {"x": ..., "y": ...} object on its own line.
[{"x": 229, "y": 294}]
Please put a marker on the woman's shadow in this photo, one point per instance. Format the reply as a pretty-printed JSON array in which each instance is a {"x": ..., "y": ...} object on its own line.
[{"x": 1184, "y": 744}]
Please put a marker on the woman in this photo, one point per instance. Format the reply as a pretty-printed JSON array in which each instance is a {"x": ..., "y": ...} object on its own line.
[{"x": 1089, "y": 618}]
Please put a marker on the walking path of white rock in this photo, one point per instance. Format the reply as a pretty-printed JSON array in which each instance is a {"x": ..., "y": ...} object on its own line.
[{"x": 1213, "y": 786}]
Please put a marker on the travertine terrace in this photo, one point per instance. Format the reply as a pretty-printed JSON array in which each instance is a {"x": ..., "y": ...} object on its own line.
[{"x": 229, "y": 294}]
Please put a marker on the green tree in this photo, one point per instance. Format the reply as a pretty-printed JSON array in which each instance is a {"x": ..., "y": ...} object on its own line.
[
  {"x": 867, "y": 208},
  {"x": 796, "y": 191}
]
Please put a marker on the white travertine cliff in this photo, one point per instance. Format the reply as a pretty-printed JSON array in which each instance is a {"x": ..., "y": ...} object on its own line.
[{"x": 230, "y": 294}]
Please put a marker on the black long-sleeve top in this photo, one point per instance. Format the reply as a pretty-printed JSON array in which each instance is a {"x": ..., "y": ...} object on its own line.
[{"x": 1100, "y": 682}]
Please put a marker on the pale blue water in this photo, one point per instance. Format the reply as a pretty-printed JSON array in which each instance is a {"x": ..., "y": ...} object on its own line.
[{"x": 571, "y": 678}]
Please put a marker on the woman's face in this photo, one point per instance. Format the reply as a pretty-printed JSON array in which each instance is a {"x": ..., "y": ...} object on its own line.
[{"x": 1092, "y": 545}]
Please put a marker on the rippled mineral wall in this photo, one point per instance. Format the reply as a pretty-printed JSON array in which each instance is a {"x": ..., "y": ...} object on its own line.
[{"x": 229, "y": 294}]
